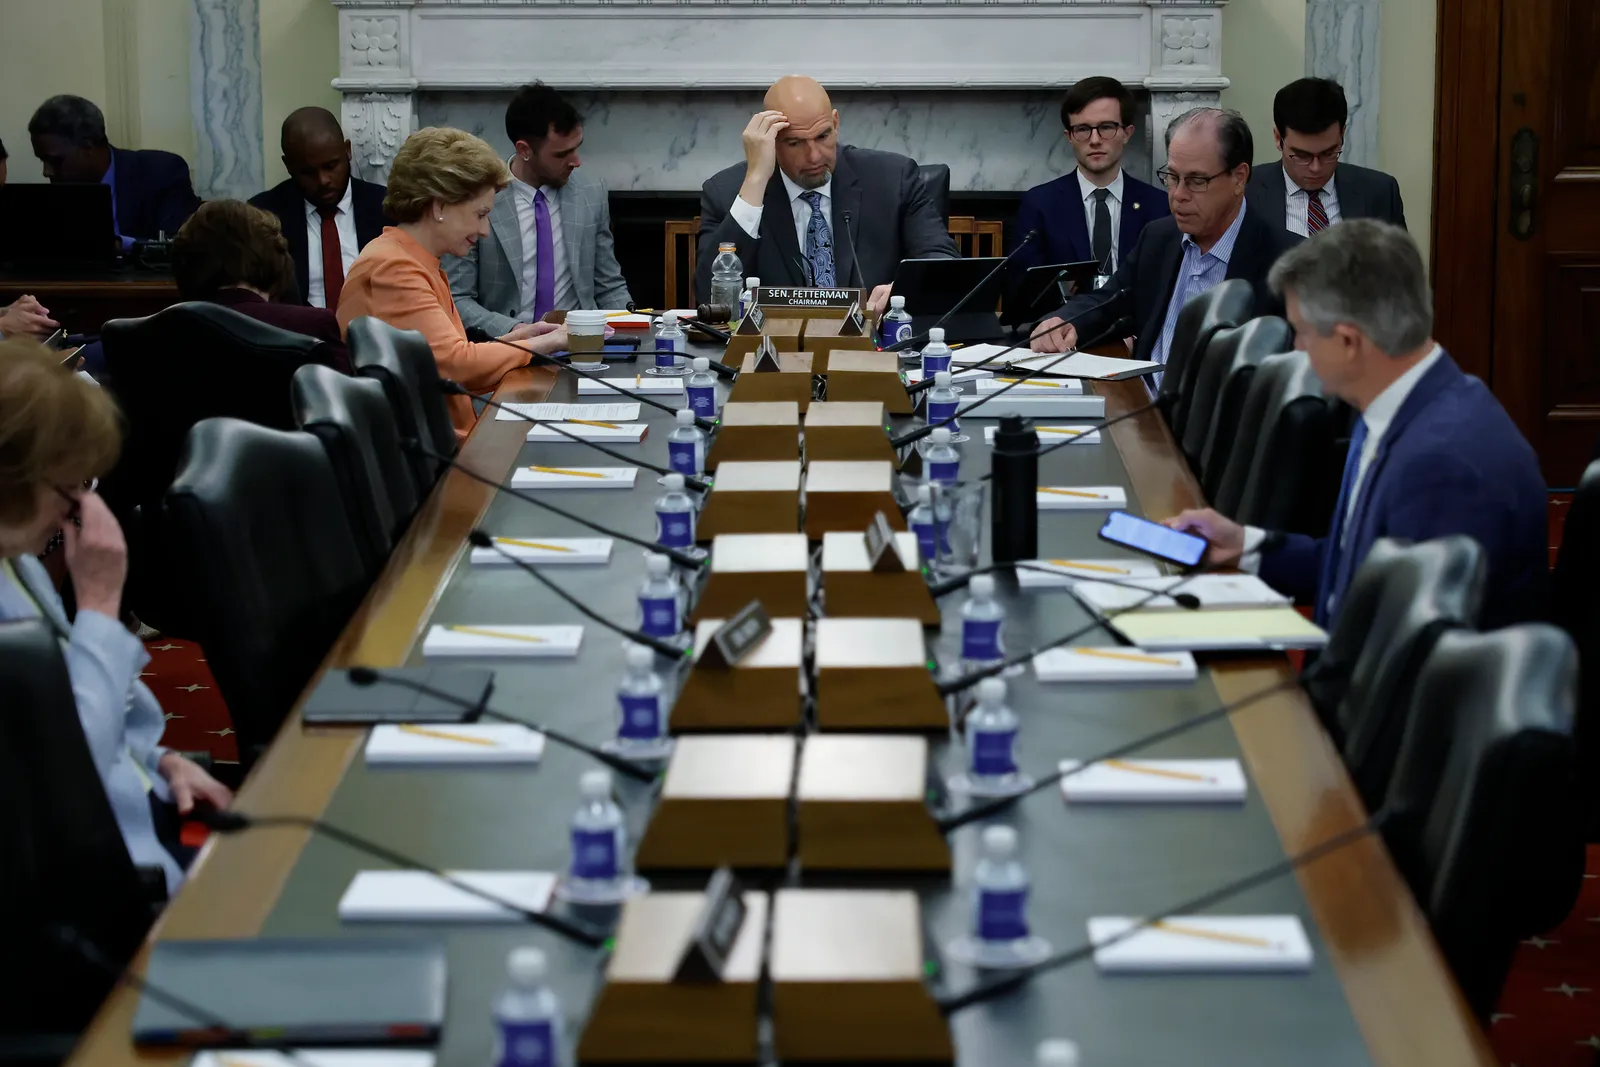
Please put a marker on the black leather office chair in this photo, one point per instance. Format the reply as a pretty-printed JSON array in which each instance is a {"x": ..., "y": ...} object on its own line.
[
  {"x": 1229, "y": 304},
  {"x": 1575, "y": 607},
  {"x": 64, "y": 864},
  {"x": 1230, "y": 351},
  {"x": 353, "y": 420},
  {"x": 278, "y": 571},
  {"x": 1487, "y": 831},
  {"x": 1400, "y": 600},
  {"x": 402, "y": 362},
  {"x": 1284, "y": 430},
  {"x": 936, "y": 179},
  {"x": 168, "y": 371}
]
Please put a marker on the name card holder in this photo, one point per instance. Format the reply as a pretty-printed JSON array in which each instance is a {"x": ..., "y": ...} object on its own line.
[
  {"x": 856, "y": 376},
  {"x": 846, "y": 494},
  {"x": 862, "y": 806},
  {"x": 761, "y": 691},
  {"x": 872, "y": 674},
  {"x": 771, "y": 568},
  {"x": 758, "y": 432},
  {"x": 853, "y": 589},
  {"x": 847, "y": 430},
  {"x": 752, "y": 498},
  {"x": 780, "y": 324},
  {"x": 789, "y": 380},
  {"x": 724, "y": 803}
]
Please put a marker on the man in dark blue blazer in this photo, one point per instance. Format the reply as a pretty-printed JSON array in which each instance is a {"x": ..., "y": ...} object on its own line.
[
  {"x": 151, "y": 193},
  {"x": 1433, "y": 453},
  {"x": 1097, "y": 211}
]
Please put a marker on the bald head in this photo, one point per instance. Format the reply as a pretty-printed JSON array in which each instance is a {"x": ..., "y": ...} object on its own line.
[
  {"x": 316, "y": 155},
  {"x": 807, "y": 149},
  {"x": 803, "y": 99},
  {"x": 310, "y": 125}
]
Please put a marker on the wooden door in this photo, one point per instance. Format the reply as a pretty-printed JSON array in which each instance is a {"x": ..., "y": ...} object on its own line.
[{"x": 1517, "y": 227}]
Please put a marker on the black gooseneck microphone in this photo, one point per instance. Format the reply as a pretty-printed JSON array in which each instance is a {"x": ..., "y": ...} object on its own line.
[
  {"x": 682, "y": 559},
  {"x": 1184, "y": 600},
  {"x": 453, "y": 388},
  {"x": 479, "y": 539},
  {"x": 541, "y": 360},
  {"x": 909, "y": 342},
  {"x": 855, "y": 260},
  {"x": 1013, "y": 980},
  {"x": 365, "y": 676},
  {"x": 233, "y": 822}
]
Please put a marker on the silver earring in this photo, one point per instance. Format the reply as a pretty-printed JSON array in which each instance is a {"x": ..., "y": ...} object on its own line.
[{"x": 439, "y": 218}]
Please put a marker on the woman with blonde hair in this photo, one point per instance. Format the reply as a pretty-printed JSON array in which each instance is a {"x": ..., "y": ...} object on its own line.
[
  {"x": 58, "y": 433},
  {"x": 441, "y": 188}
]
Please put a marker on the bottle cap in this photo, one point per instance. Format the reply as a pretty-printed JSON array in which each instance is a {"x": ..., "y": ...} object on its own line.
[
  {"x": 669, "y": 318},
  {"x": 897, "y": 302},
  {"x": 639, "y": 657},
  {"x": 752, "y": 282},
  {"x": 940, "y": 435},
  {"x": 727, "y": 246},
  {"x": 526, "y": 965},
  {"x": 1056, "y": 1053},
  {"x": 656, "y": 565},
  {"x": 596, "y": 785},
  {"x": 991, "y": 691},
  {"x": 685, "y": 417},
  {"x": 997, "y": 840},
  {"x": 935, "y": 335},
  {"x": 982, "y": 585},
  {"x": 924, "y": 494},
  {"x": 700, "y": 363},
  {"x": 941, "y": 379},
  {"x": 673, "y": 482}
]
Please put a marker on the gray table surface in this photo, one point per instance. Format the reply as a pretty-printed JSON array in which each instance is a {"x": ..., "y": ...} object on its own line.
[{"x": 1084, "y": 861}]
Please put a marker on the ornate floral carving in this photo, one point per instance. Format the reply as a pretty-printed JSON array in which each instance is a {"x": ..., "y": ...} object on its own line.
[
  {"x": 1185, "y": 41},
  {"x": 1166, "y": 106},
  {"x": 373, "y": 42},
  {"x": 377, "y": 124}
]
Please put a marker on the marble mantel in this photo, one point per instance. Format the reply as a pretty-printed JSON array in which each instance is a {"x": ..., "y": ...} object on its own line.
[{"x": 399, "y": 57}]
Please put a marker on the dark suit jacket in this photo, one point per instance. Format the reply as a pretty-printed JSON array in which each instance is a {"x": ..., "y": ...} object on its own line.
[
  {"x": 1143, "y": 283},
  {"x": 284, "y": 200},
  {"x": 153, "y": 191},
  {"x": 1363, "y": 193},
  {"x": 1055, "y": 209},
  {"x": 296, "y": 318},
  {"x": 891, "y": 218},
  {"x": 1451, "y": 462}
]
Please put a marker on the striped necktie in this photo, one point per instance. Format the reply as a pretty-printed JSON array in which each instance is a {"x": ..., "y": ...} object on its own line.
[{"x": 1316, "y": 214}]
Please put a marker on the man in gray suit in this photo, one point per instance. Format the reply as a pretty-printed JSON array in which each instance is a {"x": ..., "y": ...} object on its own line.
[
  {"x": 801, "y": 206},
  {"x": 549, "y": 246},
  {"x": 1310, "y": 190}
]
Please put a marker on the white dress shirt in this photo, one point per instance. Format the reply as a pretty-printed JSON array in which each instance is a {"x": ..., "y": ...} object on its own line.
[
  {"x": 349, "y": 246},
  {"x": 566, "y": 294},
  {"x": 748, "y": 216},
  {"x": 1298, "y": 203},
  {"x": 1114, "y": 206}
]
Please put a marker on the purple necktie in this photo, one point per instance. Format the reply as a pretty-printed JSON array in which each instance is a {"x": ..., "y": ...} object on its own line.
[{"x": 544, "y": 285}]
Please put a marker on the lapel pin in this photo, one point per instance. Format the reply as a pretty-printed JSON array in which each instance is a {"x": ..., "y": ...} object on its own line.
[{"x": 1136, "y": 205}]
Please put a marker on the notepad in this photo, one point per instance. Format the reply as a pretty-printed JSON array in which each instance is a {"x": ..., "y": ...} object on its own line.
[
  {"x": 545, "y": 551},
  {"x": 417, "y": 896},
  {"x": 1203, "y": 943},
  {"x": 1118, "y": 664},
  {"x": 503, "y": 639},
  {"x": 1081, "y": 497},
  {"x": 1050, "y": 435},
  {"x": 1062, "y": 573},
  {"x": 623, "y": 320},
  {"x": 1031, "y": 386},
  {"x": 1087, "y": 365},
  {"x": 546, "y": 477},
  {"x": 388, "y": 1057},
  {"x": 914, "y": 375},
  {"x": 1156, "y": 781},
  {"x": 638, "y": 383},
  {"x": 1243, "y": 628},
  {"x": 626, "y": 411},
  {"x": 629, "y": 432},
  {"x": 1044, "y": 405},
  {"x": 1212, "y": 590},
  {"x": 408, "y": 744}
]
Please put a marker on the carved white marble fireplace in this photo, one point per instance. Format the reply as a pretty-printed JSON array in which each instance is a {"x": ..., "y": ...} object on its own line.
[{"x": 665, "y": 86}]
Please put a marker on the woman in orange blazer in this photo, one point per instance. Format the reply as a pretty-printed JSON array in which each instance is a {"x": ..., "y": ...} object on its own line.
[{"x": 441, "y": 188}]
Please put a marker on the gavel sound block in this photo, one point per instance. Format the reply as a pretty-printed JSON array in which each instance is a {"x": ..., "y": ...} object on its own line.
[
  {"x": 847, "y": 430},
  {"x": 724, "y": 802},
  {"x": 851, "y": 589},
  {"x": 872, "y": 674},
  {"x": 757, "y": 432},
  {"x": 760, "y": 692},
  {"x": 752, "y": 498},
  {"x": 771, "y": 568},
  {"x": 845, "y": 495}
]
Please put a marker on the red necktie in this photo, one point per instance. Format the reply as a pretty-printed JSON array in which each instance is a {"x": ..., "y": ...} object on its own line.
[
  {"x": 332, "y": 259},
  {"x": 1316, "y": 215}
]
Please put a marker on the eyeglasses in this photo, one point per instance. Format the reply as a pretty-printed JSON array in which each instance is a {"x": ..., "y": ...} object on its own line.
[
  {"x": 1195, "y": 183},
  {"x": 1083, "y": 131},
  {"x": 1305, "y": 159}
]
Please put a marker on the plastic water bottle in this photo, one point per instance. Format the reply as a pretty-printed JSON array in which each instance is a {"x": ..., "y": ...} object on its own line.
[
  {"x": 599, "y": 869},
  {"x": 670, "y": 344},
  {"x": 659, "y": 614},
  {"x": 982, "y": 623},
  {"x": 991, "y": 737},
  {"x": 702, "y": 386},
  {"x": 675, "y": 516},
  {"x": 727, "y": 277},
  {"x": 527, "y": 1015},
  {"x": 935, "y": 354},
  {"x": 943, "y": 399},
  {"x": 921, "y": 522},
  {"x": 1056, "y": 1053},
  {"x": 941, "y": 460},
  {"x": 686, "y": 446},
  {"x": 896, "y": 323},
  {"x": 748, "y": 300},
  {"x": 641, "y": 719},
  {"x": 1000, "y": 904}
]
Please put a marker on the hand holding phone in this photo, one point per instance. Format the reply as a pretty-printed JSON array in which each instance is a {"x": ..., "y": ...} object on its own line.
[{"x": 1154, "y": 539}]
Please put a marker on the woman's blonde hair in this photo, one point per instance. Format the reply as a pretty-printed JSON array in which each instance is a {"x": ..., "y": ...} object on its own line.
[
  {"x": 444, "y": 164},
  {"x": 55, "y": 428}
]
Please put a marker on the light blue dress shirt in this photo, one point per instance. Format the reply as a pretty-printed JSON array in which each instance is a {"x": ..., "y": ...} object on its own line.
[
  {"x": 121, "y": 719},
  {"x": 1199, "y": 272}
]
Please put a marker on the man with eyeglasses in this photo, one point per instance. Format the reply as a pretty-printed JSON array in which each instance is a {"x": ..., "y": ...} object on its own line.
[
  {"x": 1210, "y": 238},
  {"x": 1098, "y": 210},
  {"x": 1310, "y": 189}
]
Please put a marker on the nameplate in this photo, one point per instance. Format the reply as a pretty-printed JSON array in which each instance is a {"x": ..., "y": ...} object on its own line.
[
  {"x": 766, "y": 356},
  {"x": 854, "y": 320},
  {"x": 734, "y": 639},
  {"x": 753, "y": 321},
  {"x": 772, "y": 296},
  {"x": 882, "y": 555},
  {"x": 716, "y": 929}
]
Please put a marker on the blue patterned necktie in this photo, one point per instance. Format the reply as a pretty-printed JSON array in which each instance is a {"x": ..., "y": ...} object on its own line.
[
  {"x": 1333, "y": 554},
  {"x": 819, "y": 242}
]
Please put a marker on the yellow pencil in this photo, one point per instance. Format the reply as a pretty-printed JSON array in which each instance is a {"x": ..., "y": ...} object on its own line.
[
  {"x": 591, "y": 422},
  {"x": 563, "y": 470},
  {"x": 1061, "y": 429},
  {"x": 480, "y": 632},
  {"x": 1030, "y": 381},
  {"x": 442, "y": 735},
  {"x": 1131, "y": 657},
  {"x": 1213, "y": 935},
  {"x": 1088, "y": 566},
  {"x": 1183, "y": 776},
  {"x": 531, "y": 544},
  {"x": 1071, "y": 492}
]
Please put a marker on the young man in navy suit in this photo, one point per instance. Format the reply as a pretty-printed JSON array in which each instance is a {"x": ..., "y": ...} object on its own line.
[
  {"x": 1096, "y": 211},
  {"x": 1433, "y": 453}
]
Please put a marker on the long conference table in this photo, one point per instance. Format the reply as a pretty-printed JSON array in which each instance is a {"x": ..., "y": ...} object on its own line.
[{"x": 1378, "y": 992}]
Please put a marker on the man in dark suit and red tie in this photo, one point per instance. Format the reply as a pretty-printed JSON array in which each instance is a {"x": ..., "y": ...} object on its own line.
[
  {"x": 1097, "y": 211},
  {"x": 327, "y": 215}
]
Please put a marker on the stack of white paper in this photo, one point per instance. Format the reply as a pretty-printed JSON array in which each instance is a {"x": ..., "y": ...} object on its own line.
[
  {"x": 1049, "y": 435},
  {"x": 545, "y": 550},
  {"x": 574, "y": 477},
  {"x": 1081, "y": 497},
  {"x": 1043, "y": 405},
  {"x": 1156, "y": 781},
  {"x": 1032, "y": 386},
  {"x": 417, "y": 896},
  {"x": 405, "y": 744},
  {"x": 626, "y": 411},
  {"x": 1086, "y": 365},
  {"x": 639, "y": 383},
  {"x": 1063, "y": 573},
  {"x": 914, "y": 375},
  {"x": 348, "y": 1057},
  {"x": 625, "y": 432},
  {"x": 503, "y": 639},
  {"x": 1119, "y": 664},
  {"x": 1201, "y": 943},
  {"x": 1212, "y": 590},
  {"x": 1218, "y": 629}
]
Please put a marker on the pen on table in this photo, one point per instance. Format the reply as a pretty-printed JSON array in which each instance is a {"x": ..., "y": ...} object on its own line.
[
  {"x": 1213, "y": 935},
  {"x": 481, "y": 632},
  {"x": 1157, "y": 772},
  {"x": 563, "y": 470},
  {"x": 443, "y": 735}
]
